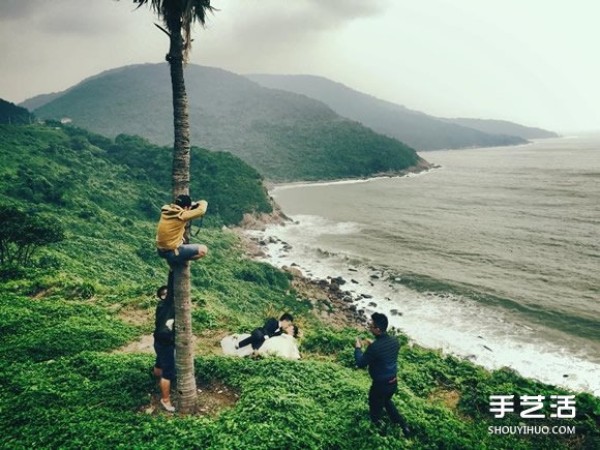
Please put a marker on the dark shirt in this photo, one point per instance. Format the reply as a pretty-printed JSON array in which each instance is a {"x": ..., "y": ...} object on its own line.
[
  {"x": 381, "y": 357},
  {"x": 164, "y": 311},
  {"x": 271, "y": 328}
]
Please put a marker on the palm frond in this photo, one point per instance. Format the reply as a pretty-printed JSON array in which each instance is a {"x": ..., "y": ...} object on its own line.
[{"x": 182, "y": 12}]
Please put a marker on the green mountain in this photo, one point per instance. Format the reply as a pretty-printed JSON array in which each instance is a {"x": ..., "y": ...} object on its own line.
[
  {"x": 504, "y": 127},
  {"x": 73, "y": 324},
  {"x": 283, "y": 135},
  {"x": 13, "y": 114},
  {"x": 417, "y": 129}
]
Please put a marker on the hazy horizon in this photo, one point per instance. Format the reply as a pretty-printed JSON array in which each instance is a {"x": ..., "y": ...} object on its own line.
[{"x": 530, "y": 63}]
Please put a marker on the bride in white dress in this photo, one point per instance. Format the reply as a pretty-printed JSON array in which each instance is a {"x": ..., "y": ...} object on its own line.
[{"x": 284, "y": 346}]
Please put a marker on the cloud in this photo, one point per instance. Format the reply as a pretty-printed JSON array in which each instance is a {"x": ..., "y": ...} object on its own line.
[
  {"x": 65, "y": 17},
  {"x": 266, "y": 21},
  {"x": 17, "y": 9}
]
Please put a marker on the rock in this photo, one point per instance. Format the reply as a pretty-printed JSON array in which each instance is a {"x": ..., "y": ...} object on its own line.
[
  {"x": 338, "y": 280},
  {"x": 293, "y": 270}
]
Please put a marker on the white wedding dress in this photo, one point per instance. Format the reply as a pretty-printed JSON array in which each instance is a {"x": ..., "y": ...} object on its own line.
[
  {"x": 228, "y": 344},
  {"x": 284, "y": 346}
]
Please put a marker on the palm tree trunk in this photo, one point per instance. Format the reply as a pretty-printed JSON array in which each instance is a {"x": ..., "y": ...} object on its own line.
[
  {"x": 184, "y": 344},
  {"x": 184, "y": 347}
]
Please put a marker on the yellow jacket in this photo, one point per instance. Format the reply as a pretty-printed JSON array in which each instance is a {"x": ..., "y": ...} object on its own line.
[{"x": 171, "y": 225}]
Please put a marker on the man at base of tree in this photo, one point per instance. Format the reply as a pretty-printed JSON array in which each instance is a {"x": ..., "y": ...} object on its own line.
[
  {"x": 381, "y": 357},
  {"x": 164, "y": 343}
]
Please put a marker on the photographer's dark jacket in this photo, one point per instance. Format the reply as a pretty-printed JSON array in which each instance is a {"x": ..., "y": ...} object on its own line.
[
  {"x": 171, "y": 226},
  {"x": 381, "y": 357}
]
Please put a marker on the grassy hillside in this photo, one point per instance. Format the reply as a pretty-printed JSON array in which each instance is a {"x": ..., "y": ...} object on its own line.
[
  {"x": 51, "y": 167},
  {"x": 65, "y": 383},
  {"x": 417, "y": 129},
  {"x": 283, "y": 135}
]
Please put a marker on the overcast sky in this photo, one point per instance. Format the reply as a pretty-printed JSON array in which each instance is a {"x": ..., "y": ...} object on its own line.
[{"x": 533, "y": 62}]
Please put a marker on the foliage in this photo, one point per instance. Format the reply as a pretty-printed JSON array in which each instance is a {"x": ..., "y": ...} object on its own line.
[
  {"x": 13, "y": 114},
  {"x": 47, "y": 329},
  {"x": 22, "y": 234},
  {"x": 88, "y": 175}
]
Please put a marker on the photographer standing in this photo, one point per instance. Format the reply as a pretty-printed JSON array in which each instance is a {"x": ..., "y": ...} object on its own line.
[
  {"x": 381, "y": 357},
  {"x": 171, "y": 228}
]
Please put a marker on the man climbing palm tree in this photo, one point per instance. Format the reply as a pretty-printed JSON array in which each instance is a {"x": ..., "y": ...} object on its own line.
[
  {"x": 178, "y": 16},
  {"x": 171, "y": 230}
]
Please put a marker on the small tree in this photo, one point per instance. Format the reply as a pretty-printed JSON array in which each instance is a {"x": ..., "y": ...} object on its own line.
[{"x": 21, "y": 234}]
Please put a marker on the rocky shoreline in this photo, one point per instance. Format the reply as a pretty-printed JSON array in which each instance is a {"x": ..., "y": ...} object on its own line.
[{"x": 329, "y": 296}]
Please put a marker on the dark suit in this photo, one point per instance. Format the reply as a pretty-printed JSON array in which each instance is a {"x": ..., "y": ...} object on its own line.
[
  {"x": 382, "y": 359},
  {"x": 258, "y": 336}
]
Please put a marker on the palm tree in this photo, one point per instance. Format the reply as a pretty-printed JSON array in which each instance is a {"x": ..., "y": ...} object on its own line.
[{"x": 178, "y": 16}]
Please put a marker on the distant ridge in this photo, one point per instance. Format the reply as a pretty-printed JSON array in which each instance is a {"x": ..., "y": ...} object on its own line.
[
  {"x": 39, "y": 100},
  {"x": 285, "y": 136},
  {"x": 504, "y": 127},
  {"x": 417, "y": 129}
]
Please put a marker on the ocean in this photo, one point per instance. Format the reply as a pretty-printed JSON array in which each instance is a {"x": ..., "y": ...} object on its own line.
[{"x": 493, "y": 256}]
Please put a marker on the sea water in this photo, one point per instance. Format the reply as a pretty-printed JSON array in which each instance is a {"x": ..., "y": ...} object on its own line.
[{"x": 493, "y": 256}]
